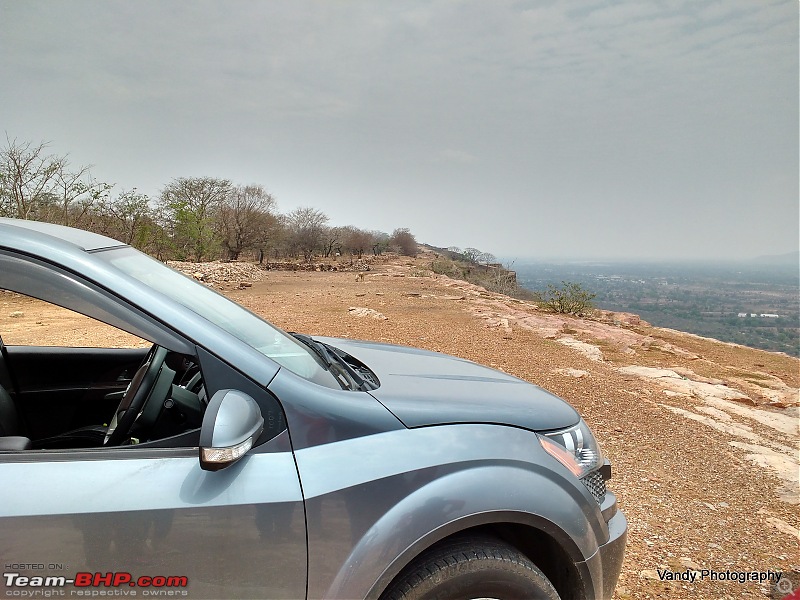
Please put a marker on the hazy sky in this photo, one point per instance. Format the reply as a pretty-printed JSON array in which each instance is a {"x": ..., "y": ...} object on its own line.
[{"x": 628, "y": 129}]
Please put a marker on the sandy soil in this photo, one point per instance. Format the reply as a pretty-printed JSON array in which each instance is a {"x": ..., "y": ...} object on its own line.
[{"x": 708, "y": 480}]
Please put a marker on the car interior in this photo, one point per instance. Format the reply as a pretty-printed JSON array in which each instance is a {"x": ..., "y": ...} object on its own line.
[{"x": 56, "y": 397}]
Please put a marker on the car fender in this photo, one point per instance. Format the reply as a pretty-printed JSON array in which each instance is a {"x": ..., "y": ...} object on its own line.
[{"x": 496, "y": 494}]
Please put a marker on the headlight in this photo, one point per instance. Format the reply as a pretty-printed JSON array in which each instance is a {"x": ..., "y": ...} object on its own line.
[{"x": 575, "y": 448}]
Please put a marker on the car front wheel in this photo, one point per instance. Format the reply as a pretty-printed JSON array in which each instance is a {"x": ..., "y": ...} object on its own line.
[{"x": 471, "y": 568}]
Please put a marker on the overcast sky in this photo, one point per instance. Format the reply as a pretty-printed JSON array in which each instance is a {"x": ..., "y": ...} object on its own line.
[{"x": 627, "y": 129}]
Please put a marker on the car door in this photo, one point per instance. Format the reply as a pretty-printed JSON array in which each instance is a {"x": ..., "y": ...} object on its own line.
[
  {"x": 149, "y": 516},
  {"x": 147, "y": 519},
  {"x": 153, "y": 519}
]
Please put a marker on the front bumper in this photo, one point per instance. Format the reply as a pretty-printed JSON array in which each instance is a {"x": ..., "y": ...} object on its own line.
[{"x": 605, "y": 565}]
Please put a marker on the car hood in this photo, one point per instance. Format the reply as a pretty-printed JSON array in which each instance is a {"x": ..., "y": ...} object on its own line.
[{"x": 428, "y": 388}]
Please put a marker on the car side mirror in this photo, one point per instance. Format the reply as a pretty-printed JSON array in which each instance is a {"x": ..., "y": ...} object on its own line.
[{"x": 231, "y": 425}]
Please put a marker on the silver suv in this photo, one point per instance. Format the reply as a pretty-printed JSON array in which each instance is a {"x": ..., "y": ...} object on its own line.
[{"x": 234, "y": 460}]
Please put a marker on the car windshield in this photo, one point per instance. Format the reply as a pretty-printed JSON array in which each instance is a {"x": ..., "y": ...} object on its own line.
[{"x": 219, "y": 310}]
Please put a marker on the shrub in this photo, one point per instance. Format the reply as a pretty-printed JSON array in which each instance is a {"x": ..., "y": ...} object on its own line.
[
  {"x": 445, "y": 266},
  {"x": 404, "y": 241},
  {"x": 570, "y": 299}
]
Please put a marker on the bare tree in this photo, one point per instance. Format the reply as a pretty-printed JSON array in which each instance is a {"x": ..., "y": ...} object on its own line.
[
  {"x": 127, "y": 217},
  {"x": 280, "y": 245},
  {"x": 380, "y": 242},
  {"x": 501, "y": 279},
  {"x": 471, "y": 255},
  {"x": 332, "y": 239},
  {"x": 37, "y": 185},
  {"x": 404, "y": 241},
  {"x": 190, "y": 205},
  {"x": 78, "y": 194},
  {"x": 306, "y": 228},
  {"x": 245, "y": 220},
  {"x": 28, "y": 178},
  {"x": 159, "y": 239},
  {"x": 455, "y": 253},
  {"x": 357, "y": 241}
]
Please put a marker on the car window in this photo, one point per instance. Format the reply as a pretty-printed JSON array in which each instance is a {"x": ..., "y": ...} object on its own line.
[
  {"x": 26, "y": 321},
  {"x": 221, "y": 311},
  {"x": 64, "y": 376}
]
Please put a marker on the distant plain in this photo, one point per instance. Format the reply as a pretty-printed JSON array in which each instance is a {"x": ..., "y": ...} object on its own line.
[{"x": 704, "y": 298}]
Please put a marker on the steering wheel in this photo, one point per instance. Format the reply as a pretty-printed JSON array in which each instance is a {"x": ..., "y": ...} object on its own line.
[{"x": 135, "y": 396}]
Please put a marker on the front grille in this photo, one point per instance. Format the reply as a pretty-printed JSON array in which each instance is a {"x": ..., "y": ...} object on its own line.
[{"x": 596, "y": 485}]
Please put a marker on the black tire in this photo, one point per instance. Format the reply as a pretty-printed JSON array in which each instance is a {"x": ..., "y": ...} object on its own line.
[{"x": 468, "y": 568}]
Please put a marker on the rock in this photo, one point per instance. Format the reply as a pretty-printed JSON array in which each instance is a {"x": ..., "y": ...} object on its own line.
[
  {"x": 588, "y": 350},
  {"x": 359, "y": 311},
  {"x": 689, "y": 563},
  {"x": 719, "y": 415},
  {"x": 676, "y": 383},
  {"x": 769, "y": 388},
  {"x": 782, "y": 404},
  {"x": 359, "y": 265},
  {"x": 16, "y": 314},
  {"x": 783, "y": 527},
  {"x": 689, "y": 374},
  {"x": 576, "y": 373},
  {"x": 240, "y": 273},
  {"x": 649, "y": 574},
  {"x": 620, "y": 318}
]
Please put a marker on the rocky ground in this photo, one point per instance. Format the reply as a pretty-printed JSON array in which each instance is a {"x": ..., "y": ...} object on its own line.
[{"x": 703, "y": 435}]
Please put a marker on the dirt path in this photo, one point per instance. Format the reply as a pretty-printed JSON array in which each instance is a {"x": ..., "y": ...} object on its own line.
[{"x": 705, "y": 457}]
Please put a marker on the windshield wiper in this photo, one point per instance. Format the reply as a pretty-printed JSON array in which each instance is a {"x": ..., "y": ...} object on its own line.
[{"x": 344, "y": 373}]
